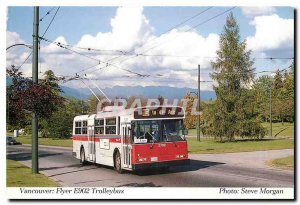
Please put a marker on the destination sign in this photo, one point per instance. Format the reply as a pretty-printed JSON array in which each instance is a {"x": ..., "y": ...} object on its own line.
[{"x": 159, "y": 112}]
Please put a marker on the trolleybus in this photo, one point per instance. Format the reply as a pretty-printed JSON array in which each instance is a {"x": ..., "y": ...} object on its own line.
[{"x": 132, "y": 139}]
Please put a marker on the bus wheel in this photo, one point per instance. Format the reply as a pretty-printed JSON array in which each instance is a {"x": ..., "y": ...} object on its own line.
[
  {"x": 82, "y": 157},
  {"x": 118, "y": 167}
]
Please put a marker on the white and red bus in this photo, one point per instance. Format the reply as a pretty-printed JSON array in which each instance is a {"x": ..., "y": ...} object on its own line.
[{"x": 132, "y": 139}]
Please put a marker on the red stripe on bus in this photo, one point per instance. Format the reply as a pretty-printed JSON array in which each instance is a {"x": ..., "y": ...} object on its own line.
[
  {"x": 97, "y": 139},
  {"x": 99, "y": 135}
]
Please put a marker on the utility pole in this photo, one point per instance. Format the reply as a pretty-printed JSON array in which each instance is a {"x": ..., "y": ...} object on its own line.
[
  {"x": 35, "y": 156},
  {"x": 198, "y": 116}
]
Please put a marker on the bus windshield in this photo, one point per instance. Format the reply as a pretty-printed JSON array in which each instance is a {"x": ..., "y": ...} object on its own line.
[
  {"x": 151, "y": 131},
  {"x": 172, "y": 130}
]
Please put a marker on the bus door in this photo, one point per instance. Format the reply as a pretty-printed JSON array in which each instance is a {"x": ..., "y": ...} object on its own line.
[
  {"x": 126, "y": 145},
  {"x": 91, "y": 144}
]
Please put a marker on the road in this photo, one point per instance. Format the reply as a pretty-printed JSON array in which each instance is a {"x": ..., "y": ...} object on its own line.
[{"x": 246, "y": 169}]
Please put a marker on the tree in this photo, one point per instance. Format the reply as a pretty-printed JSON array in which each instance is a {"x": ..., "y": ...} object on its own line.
[
  {"x": 262, "y": 90},
  {"x": 288, "y": 92},
  {"x": 136, "y": 101},
  {"x": 16, "y": 115},
  {"x": 190, "y": 120},
  {"x": 209, "y": 117},
  {"x": 233, "y": 72},
  {"x": 277, "y": 84},
  {"x": 282, "y": 87},
  {"x": 93, "y": 103},
  {"x": 51, "y": 81},
  {"x": 284, "y": 95},
  {"x": 25, "y": 97},
  {"x": 61, "y": 122},
  {"x": 161, "y": 100}
]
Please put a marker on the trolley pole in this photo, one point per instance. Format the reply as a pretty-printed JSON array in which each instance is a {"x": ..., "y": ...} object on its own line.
[
  {"x": 198, "y": 116},
  {"x": 35, "y": 159}
]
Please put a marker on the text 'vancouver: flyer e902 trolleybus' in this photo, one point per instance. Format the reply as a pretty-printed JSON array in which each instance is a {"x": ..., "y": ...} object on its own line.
[{"x": 132, "y": 139}]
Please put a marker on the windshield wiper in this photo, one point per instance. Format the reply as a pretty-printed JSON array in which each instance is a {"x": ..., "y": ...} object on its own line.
[{"x": 153, "y": 139}]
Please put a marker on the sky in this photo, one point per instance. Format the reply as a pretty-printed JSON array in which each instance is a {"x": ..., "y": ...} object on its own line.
[{"x": 169, "y": 42}]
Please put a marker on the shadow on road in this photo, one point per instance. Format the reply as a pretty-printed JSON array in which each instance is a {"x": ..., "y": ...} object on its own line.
[
  {"x": 73, "y": 171},
  {"x": 193, "y": 166},
  {"x": 61, "y": 167},
  {"x": 24, "y": 156}
]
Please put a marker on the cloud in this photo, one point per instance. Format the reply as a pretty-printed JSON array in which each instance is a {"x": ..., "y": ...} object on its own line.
[
  {"x": 13, "y": 38},
  {"x": 273, "y": 34},
  {"x": 163, "y": 57},
  {"x": 54, "y": 49},
  {"x": 17, "y": 54},
  {"x": 132, "y": 32},
  {"x": 130, "y": 28},
  {"x": 257, "y": 11}
]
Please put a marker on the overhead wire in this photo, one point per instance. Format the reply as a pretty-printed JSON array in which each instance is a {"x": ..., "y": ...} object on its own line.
[
  {"x": 92, "y": 58},
  {"x": 173, "y": 39},
  {"x": 143, "y": 53},
  {"x": 41, "y": 19},
  {"x": 25, "y": 60},
  {"x": 47, "y": 13},
  {"x": 50, "y": 23},
  {"x": 193, "y": 27},
  {"x": 156, "y": 37},
  {"x": 149, "y": 40}
]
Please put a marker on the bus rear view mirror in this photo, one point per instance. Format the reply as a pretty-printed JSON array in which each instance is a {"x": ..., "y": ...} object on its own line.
[{"x": 185, "y": 131}]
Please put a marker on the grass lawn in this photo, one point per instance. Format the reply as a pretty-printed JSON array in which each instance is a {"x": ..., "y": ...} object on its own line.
[
  {"x": 192, "y": 132},
  {"x": 286, "y": 162},
  {"x": 211, "y": 146},
  {"x": 278, "y": 130},
  {"x": 47, "y": 141},
  {"x": 19, "y": 175}
]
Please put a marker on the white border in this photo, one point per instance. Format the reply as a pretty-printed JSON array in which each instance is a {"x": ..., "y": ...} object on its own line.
[
  {"x": 3, "y": 18},
  {"x": 146, "y": 193},
  {"x": 153, "y": 3}
]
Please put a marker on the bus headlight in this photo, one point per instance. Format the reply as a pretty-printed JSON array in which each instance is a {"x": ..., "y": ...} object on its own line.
[
  {"x": 179, "y": 156},
  {"x": 143, "y": 159}
]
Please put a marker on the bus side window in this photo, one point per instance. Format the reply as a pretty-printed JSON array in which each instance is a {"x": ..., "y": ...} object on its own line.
[
  {"x": 78, "y": 127},
  {"x": 110, "y": 127},
  {"x": 84, "y": 127},
  {"x": 99, "y": 126}
]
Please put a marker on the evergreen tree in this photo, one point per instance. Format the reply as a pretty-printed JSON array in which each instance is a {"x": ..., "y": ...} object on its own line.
[
  {"x": 51, "y": 81},
  {"x": 262, "y": 92},
  {"x": 278, "y": 84},
  {"x": 233, "y": 71}
]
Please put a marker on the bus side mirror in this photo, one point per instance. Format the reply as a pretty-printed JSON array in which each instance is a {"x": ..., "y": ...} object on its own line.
[{"x": 185, "y": 131}]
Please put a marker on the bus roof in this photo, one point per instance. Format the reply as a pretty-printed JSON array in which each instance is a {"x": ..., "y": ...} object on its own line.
[{"x": 110, "y": 112}]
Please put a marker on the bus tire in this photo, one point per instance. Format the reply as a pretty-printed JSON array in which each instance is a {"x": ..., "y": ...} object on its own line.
[
  {"x": 82, "y": 156},
  {"x": 117, "y": 162}
]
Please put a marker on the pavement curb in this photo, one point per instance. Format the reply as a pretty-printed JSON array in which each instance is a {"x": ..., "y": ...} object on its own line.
[
  {"x": 54, "y": 179},
  {"x": 50, "y": 146}
]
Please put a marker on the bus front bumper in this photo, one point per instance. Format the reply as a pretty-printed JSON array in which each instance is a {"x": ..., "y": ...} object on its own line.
[{"x": 161, "y": 164}]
